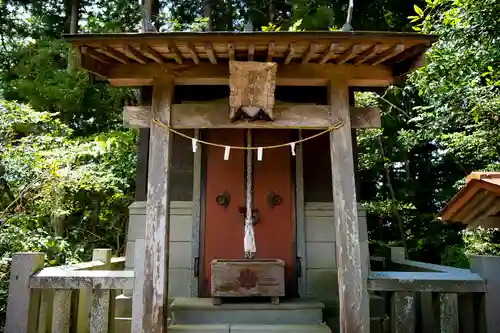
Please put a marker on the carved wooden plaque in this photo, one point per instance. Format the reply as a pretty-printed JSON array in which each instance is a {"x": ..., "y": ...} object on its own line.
[
  {"x": 252, "y": 87},
  {"x": 247, "y": 278}
]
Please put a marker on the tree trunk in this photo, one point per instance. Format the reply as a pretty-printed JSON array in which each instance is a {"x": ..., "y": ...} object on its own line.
[
  {"x": 207, "y": 13},
  {"x": 75, "y": 6},
  {"x": 73, "y": 29},
  {"x": 148, "y": 15},
  {"x": 393, "y": 196},
  {"x": 272, "y": 11},
  {"x": 229, "y": 15}
]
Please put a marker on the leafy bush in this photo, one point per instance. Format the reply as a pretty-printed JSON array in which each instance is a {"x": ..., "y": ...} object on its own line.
[{"x": 65, "y": 195}]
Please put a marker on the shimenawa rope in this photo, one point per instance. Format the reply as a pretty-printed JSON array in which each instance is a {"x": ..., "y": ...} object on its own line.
[{"x": 335, "y": 126}]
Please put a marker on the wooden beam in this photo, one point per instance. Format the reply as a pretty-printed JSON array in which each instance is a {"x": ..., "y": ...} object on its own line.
[
  {"x": 175, "y": 52},
  {"x": 291, "y": 52},
  {"x": 151, "y": 53},
  {"x": 287, "y": 75},
  {"x": 408, "y": 53},
  {"x": 309, "y": 53},
  {"x": 230, "y": 50},
  {"x": 156, "y": 252},
  {"x": 193, "y": 53},
  {"x": 251, "y": 51},
  {"x": 270, "y": 51},
  {"x": 328, "y": 54},
  {"x": 101, "y": 57},
  {"x": 390, "y": 53},
  {"x": 211, "y": 53},
  {"x": 138, "y": 56},
  {"x": 350, "y": 53},
  {"x": 115, "y": 54},
  {"x": 216, "y": 115},
  {"x": 353, "y": 294},
  {"x": 94, "y": 66},
  {"x": 367, "y": 55}
]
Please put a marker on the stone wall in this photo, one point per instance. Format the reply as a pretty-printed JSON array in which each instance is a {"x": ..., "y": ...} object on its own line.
[
  {"x": 321, "y": 266},
  {"x": 181, "y": 221}
]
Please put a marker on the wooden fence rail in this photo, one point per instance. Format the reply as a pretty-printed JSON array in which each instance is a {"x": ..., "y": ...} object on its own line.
[
  {"x": 78, "y": 298},
  {"x": 433, "y": 298},
  {"x": 81, "y": 298}
]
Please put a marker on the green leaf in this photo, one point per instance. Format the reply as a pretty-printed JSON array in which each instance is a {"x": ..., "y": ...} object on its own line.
[{"x": 418, "y": 10}]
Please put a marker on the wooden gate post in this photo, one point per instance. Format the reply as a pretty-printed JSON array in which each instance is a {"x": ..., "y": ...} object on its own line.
[
  {"x": 156, "y": 249},
  {"x": 23, "y": 302},
  {"x": 353, "y": 294},
  {"x": 488, "y": 268}
]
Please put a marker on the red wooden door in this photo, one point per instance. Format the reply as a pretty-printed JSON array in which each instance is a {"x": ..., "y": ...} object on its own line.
[{"x": 223, "y": 227}]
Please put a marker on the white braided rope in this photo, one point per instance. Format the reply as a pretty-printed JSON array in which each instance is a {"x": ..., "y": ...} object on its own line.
[{"x": 249, "y": 238}]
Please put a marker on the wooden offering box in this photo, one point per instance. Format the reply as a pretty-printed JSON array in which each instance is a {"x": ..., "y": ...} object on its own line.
[{"x": 248, "y": 278}]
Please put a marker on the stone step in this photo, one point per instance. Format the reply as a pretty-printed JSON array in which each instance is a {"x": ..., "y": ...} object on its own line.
[
  {"x": 290, "y": 312},
  {"x": 249, "y": 328},
  {"x": 183, "y": 328},
  {"x": 318, "y": 328}
]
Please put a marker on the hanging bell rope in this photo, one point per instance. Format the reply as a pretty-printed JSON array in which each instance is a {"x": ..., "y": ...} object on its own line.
[
  {"x": 334, "y": 127},
  {"x": 249, "y": 237}
]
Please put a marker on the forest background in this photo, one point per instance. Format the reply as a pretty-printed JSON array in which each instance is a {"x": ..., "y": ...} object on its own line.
[{"x": 67, "y": 165}]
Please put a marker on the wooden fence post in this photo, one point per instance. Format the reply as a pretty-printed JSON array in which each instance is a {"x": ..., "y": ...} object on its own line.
[
  {"x": 103, "y": 255},
  {"x": 398, "y": 253},
  {"x": 137, "y": 296},
  {"x": 61, "y": 312},
  {"x": 403, "y": 312},
  {"x": 85, "y": 294},
  {"x": 488, "y": 268},
  {"x": 23, "y": 302}
]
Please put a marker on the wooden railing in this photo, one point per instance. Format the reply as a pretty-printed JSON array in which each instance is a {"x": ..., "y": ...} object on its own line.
[
  {"x": 419, "y": 297},
  {"x": 423, "y": 297},
  {"x": 78, "y": 298}
]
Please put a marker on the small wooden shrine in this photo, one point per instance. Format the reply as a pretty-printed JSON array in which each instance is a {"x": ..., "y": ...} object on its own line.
[
  {"x": 248, "y": 102},
  {"x": 477, "y": 203}
]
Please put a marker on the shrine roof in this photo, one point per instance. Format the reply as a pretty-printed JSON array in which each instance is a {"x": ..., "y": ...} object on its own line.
[
  {"x": 477, "y": 203},
  {"x": 398, "y": 52}
]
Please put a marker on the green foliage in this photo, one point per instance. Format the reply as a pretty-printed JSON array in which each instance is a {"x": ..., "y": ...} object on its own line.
[
  {"x": 113, "y": 16},
  {"x": 461, "y": 81},
  {"x": 40, "y": 77},
  {"x": 72, "y": 193},
  {"x": 313, "y": 14},
  {"x": 67, "y": 165},
  {"x": 436, "y": 130}
]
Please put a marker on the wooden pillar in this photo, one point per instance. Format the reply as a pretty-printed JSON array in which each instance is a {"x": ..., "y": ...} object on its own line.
[
  {"x": 354, "y": 138},
  {"x": 22, "y": 301},
  {"x": 156, "y": 247},
  {"x": 141, "y": 178},
  {"x": 353, "y": 295}
]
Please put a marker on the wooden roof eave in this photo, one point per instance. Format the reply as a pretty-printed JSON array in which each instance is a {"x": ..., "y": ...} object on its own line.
[
  {"x": 364, "y": 54},
  {"x": 224, "y": 36},
  {"x": 465, "y": 208}
]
